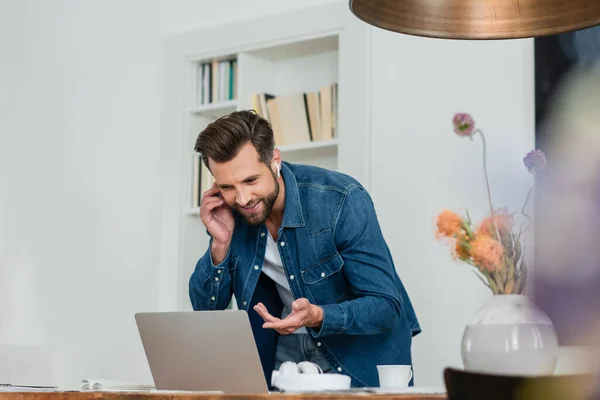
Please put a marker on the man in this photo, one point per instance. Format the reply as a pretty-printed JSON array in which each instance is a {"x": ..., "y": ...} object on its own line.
[{"x": 301, "y": 249}]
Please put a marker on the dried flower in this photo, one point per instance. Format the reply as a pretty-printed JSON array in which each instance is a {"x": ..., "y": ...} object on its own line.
[
  {"x": 449, "y": 224},
  {"x": 504, "y": 220},
  {"x": 487, "y": 253},
  {"x": 535, "y": 161},
  {"x": 463, "y": 124},
  {"x": 494, "y": 248}
]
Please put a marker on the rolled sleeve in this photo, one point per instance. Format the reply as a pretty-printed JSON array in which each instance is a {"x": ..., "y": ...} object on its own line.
[
  {"x": 334, "y": 321},
  {"x": 210, "y": 286}
]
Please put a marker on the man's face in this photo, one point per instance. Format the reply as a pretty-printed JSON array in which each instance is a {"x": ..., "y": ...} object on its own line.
[{"x": 247, "y": 184}]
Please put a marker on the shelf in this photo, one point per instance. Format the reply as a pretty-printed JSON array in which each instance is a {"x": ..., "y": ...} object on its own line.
[
  {"x": 300, "y": 48},
  {"x": 308, "y": 146},
  {"x": 215, "y": 110}
]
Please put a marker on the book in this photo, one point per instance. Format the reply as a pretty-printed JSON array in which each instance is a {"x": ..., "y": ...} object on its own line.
[{"x": 299, "y": 118}]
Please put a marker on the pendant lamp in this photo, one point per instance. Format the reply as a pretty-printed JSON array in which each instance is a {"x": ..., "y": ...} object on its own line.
[{"x": 478, "y": 19}]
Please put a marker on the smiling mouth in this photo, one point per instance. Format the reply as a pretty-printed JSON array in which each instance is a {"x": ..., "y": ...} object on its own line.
[{"x": 252, "y": 207}]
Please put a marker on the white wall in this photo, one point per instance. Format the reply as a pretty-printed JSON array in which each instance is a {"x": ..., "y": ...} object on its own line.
[
  {"x": 419, "y": 167},
  {"x": 79, "y": 163}
]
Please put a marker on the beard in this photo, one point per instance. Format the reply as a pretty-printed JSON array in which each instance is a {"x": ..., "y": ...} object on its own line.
[{"x": 256, "y": 219}]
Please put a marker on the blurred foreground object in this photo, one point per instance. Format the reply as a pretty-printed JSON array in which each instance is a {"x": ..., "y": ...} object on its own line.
[
  {"x": 478, "y": 19},
  {"x": 566, "y": 280},
  {"x": 463, "y": 385}
]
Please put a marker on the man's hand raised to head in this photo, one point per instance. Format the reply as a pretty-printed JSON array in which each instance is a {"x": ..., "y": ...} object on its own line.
[{"x": 303, "y": 314}]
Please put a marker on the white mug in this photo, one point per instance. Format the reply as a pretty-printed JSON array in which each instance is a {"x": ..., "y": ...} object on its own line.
[{"x": 394, "y": 376}]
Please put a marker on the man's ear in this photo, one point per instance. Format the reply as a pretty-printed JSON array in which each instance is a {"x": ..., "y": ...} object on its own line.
[
  {"x": 276, "y": 168},
  {"x": 276, "y": 156},
  {"x": 276, "y": 161}
]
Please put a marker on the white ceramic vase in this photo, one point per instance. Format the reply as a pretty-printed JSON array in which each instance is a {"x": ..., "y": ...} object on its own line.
[{"x": 510, "y": 335}]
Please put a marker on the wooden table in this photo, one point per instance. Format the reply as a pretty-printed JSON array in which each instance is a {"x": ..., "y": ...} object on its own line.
[{"x": 191, "y": 396}]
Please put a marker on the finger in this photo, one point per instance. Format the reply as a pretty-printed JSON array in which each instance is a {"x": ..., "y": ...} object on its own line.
[
  {"x": 262, "y": 311},
  {"x": 207, "y": 212},
  {"x": 211, "y": 204},
  {"x": 212, "y": 191},
  {"x": 209, "y": 197},
  {"x": 260, "y": 306},
  {"x": 290, "y": 323},
  {"x": 300, "y": 305},
  {"x": 272, "y": 325},
  {"x": 281, "y": 326},
  {"x": 267, "y": 317}
]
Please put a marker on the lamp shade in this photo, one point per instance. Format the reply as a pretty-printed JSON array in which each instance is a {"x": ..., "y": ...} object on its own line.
[{"x": 478, "y": 19}]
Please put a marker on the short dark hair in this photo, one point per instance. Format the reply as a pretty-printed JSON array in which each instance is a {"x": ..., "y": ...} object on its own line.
[{"x": 222, "y": 139}]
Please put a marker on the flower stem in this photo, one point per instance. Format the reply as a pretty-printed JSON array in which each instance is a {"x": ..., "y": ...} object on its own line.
[
  {"x": 487, "y": 182},
  {"x": 468, "y": 230},
  {"x": 525, "y": 205},
  {"x": 491, "y": 284}
]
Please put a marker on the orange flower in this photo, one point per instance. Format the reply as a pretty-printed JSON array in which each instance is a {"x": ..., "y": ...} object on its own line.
[
  {"x": 487, "y": 253},
  {"x": 449, "y": 224},
  {"x": 504, "y": 221}
]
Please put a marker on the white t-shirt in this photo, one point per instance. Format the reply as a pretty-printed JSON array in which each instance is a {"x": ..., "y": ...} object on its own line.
[{"x": 273, "y": 268}]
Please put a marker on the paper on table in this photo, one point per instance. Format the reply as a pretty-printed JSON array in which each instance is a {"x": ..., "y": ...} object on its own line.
[
  {"x": 412, "y": 390},
  {"x": 186, "y": 391},
  {"x": 112, "y": 385},
  {"x": 377, "y": 390},
  {"x": 7, "y": 387}
]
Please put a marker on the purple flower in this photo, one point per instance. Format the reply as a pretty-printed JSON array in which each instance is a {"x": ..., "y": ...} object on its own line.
[
  {"x": 535, "y": 161},
  {"x": 463, "y": 124}
]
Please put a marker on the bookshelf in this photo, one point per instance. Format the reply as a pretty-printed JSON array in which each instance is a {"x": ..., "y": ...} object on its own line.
[
  {"x": 306, "y": 72},
  {"x": 215, "y": 110}
]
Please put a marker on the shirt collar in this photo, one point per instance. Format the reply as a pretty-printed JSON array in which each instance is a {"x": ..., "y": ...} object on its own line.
[{"x": 292, "y": 213}]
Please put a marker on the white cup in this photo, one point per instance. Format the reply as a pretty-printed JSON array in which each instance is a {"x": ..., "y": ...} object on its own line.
[{"x": 394, "y": 376}]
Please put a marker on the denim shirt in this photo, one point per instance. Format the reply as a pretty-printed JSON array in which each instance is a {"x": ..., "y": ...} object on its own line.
[{"x": 334, "y": 254}]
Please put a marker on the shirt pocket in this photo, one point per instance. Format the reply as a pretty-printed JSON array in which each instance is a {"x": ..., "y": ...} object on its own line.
[{"x": 325, "y": 280}]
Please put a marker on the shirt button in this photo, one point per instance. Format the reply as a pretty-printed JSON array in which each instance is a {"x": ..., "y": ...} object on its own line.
[
  {"x": 218, "y": 271},
  {"x": 212, "y": 298},
  {"x": 245, "y": 302},
  {"x": 262, "y": 234},
  {"x": 323, "y": 274},
  {"x": 292, "y": 277},
  {"x": 256, "y": 267},
  {"x": 217, "y": 279},
  {"x": 282, "y": 244},
  {"x": 319, "y": 344},
  {"x": 339, "y": 369}
]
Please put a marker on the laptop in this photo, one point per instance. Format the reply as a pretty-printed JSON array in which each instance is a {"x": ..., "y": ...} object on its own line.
[{"x": 202, "y": 351}]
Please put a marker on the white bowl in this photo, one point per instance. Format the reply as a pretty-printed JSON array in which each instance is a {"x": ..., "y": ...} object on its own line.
[{"x": 310, "y": 382}]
